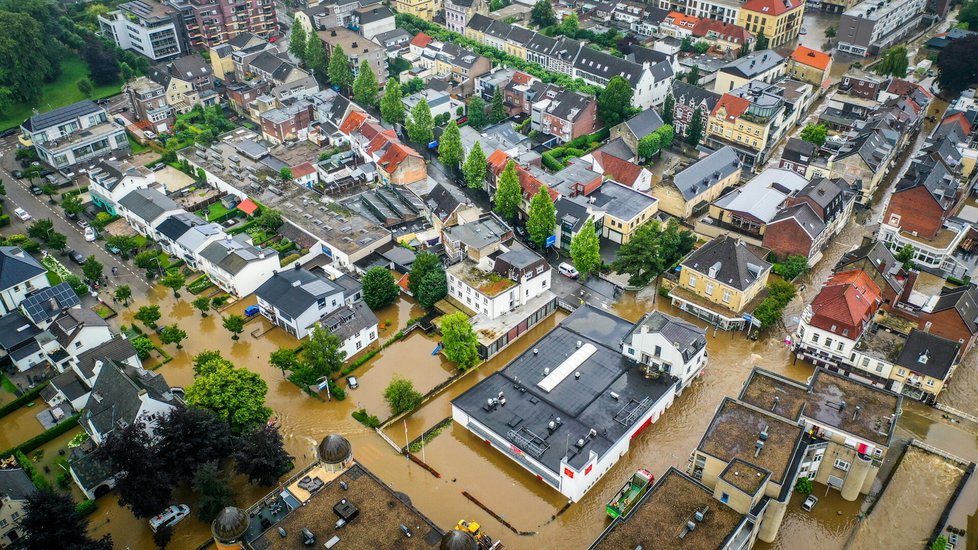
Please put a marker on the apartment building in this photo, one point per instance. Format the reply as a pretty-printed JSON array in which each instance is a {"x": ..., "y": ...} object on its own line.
[
  {"x": 153, "y": 29},
  {"x": 687, "y": 99},
  {"x": 689, "y": 192},
  {"x": 357, "y": 49},
  {"x": 873, "y": 26},
  {"x": 458, "y": 13},
  {"x": 779, "y": 20},
  {"x": 809, "y": 219},
  {"x": 764, "y": 66},
  {"x": 69, "y": 136},
  {"x": 213, "y": 22},
  {"x": 563, "y": 114},
  {"x": 749, "y": 119},
  {"x": 147, "y": 99},
  {"x": 425, "y": 9}
]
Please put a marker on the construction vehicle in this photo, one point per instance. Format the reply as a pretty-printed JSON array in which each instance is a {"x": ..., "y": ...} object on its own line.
[{"x": 485, "y": 541}]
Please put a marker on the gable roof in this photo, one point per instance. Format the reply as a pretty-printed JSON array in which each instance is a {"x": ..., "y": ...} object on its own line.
[
  {"x": 644, "y": 123},
  {"x": 148, "y": 204},
  {"x": 772, "y": 7},
  {"x": 116, "y": 396},
  {"x": 849, "y": 299},
  {"x": 724, "y": 31},
  {"x": 353, "y": 121},
  {"x": 802, "y": 215},
  {"x": 754, "y": 64},
  {"x": 422, "y": 40},
  {"x": 964, "y": 299},
  {"x": 929, "y": 354},
  {"x": 67, "y": 326},
  {"x": 732, "y": 105},
  {"x": 620, "y": 170},
  {"x": 294, "y": 291},
  {"x": 190, "y": 67},
  {"x": 231, "y": 255},
  {"x": 605, "y": 65},
  {"x": 812, "y": 58},
  {"x": 728, "y": 261},
  {"x": 706, "y": 172},
  {"x": 686, "y": 337},
  {"x": 877, "y": 254},
  {"x": 690, "y": 95},
  {"x": 117, "y": 349},
  {"x": 45, "y": 304},
  {"x": 17, "y": 267},
  {"x": 15, "y": 484}
]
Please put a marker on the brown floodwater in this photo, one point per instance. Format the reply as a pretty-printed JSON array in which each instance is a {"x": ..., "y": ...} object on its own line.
[
  {"x": 914, "y": 500},
  {"x": 21, "y": 425}
]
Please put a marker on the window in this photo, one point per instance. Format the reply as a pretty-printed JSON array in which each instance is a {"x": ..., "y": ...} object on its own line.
[
  {"x": 692, "y": 280},
  {"x": 841, "y": 464},
  {"x": 902, "y": 372},
  {"x": 879, "y": 367},
  {"x": 828, "y": 343},
  {"x": 709, "y": 288},
  {"x": 359, "y": 344},
  {"x": 658, "y": 351},
  {"x": 841, "y": 345},
  {"x": 814, "y": 338},
  {"x": 726, "y": 296},
  {"x": 930, "y": 382},
  {"x": 724, "y": 498}
]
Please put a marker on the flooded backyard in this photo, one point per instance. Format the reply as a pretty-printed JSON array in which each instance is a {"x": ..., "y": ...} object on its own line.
[{"x": 22, "y": 424}]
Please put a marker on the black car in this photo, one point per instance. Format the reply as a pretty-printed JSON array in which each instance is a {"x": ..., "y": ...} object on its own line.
[
  {"x": 17, "y": 174},
  {"x": 76, "y": 257},
  {"x": 45, "y": 173},
  {"x": 8, "y": 132},
  {"x": 71, "y": 215},
  {"x": 35, "y": 190}
]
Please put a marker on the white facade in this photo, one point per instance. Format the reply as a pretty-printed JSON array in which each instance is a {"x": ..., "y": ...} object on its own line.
[
  {"x": 301, "y": 326},
  {"x": 10, "y": 298},
  {"x": 655, "y": 350},
  {"x": 156, "y": 39},
  {"x": 107, "y": 189},
  {"x": 356, "y": 342},
  {"x": 68, "y": 143},
  {"x": 925, "y": 254},
  {"x": 502, "y": 303},
  {"x": 246, "y": 280}
]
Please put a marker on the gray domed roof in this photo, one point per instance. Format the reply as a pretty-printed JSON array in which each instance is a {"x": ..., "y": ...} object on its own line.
[
  {"x": 334, "y": 449},
  {"x": 230, "y": 524},
  {"x": 458, "y": 540}
]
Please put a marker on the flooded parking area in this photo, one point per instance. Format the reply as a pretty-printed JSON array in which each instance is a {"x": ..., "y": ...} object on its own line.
[
  {"x": 912, "y": 503},
  {"x": 826, "y": 527}
]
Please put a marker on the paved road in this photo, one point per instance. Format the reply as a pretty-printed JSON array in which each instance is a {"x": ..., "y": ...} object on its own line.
[{"x": 18, "y": 195}]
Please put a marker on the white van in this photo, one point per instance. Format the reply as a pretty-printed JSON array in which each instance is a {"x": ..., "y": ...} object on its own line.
[
  {"x": 169, "y": 517},
  {"x": 567, "y": 270}
]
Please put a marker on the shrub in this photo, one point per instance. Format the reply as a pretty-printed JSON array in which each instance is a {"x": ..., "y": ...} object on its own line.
[
  {"x": 289, "y": 259},
  {"x": 85, "y": 507},
  {"x": 4, "y": 220},
  {"x": 367, "y": 420},
  {"x": 803, "y": 486},
  {"x": 29, "y": 396}
]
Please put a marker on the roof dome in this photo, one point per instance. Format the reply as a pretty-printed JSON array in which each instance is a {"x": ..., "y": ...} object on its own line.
[
  {"x": 230, "y": 524},
  {"x": 334, "y": 449},
  {"x": 458, "y": 540}
]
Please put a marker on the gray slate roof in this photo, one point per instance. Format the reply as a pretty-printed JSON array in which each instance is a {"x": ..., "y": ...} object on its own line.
[
  {"x": 115, "y": 399},
  {"x": 753, "y": 64},
  {"x": 230, "y": 255},
  {"x": 729, "y": 260},
  {"x": 706, "y": 172},
  {"x": 15, "y": 329},
  {"x": 43, "y": 305},
  {"x": 644, "y": 123},
  {"x": 61, "y": 115},
  {"x": 349, "y": 320},
  {"x": 17, "y": 267},
  {"x": 296, "y": 290},
  {"x": 15, "y": 484},
  {"x": 118, "y": 350},
  {"x": 929, "y": 354},
  {"x": 688, "y": 338},
  {"x": 694, "y": 96},
  {"x": 148, "y": 204},
  {"x": 880, "y": 256},
  {"x": 67, "y": 326},
  {"x": 964, "y": 299}
]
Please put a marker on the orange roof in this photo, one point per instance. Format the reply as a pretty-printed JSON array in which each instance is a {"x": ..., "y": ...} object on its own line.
[
  {"x": 403, "y": 283},
  {"x": 728, "y": 32},
  {"x": 353, "y": 121},
  {"x": 772, "y": 7},
  {"x": 381, "y": 140},
  {"x": 522, "y": 78},
  {"x": 421, "y": 40},
  {"x": 680, "y": 20},
  {"x": 247, "y": 206},
  {"x": 960, "y": 119},
  {"x": 733, "y": 105},
  {"x": 622, "y": 171},
  {"x": 812, "y": 58},
  {"x": 394, "y": 156},
  {"x": 497, "y": 161},
  {"x": 846, "y": 303},
  {"x": 303, "y": 169}
]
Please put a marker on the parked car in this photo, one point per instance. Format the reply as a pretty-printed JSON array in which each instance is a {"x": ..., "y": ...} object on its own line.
[
  {"x": 35, "y": 190},
  {"x": 45, "y": 172},
  {"x": 112, "y": 249},
  {"x": 90, "y": 234},
  {"x": 17, "y": 174},
  {"x": 83, "y": 224},
  {"x": 169, "y": 517},
  {"x": 158, "y": 166},
  {"x": 71, "y": 215},
  {"x": 251, "y": 311},
  {"x": 76, "y": 257},
  {"x": 809, "y": 503},
  {"x": 8, "y": 132},
  {"x": 149, "y": 135},
  {"x": 22, "y": 214},
  {"x": 351, "y": 381},
  {"x": 567, "y": 270}
]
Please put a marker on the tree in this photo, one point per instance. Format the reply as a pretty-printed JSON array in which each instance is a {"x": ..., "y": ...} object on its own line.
[
  {"x": 420, "y": 125},
  {"x": 125, "y": 244},
  {"x": 475, "y": 167},
  {"x": 340, "y": 73},
  {"x": 162, "y": 536},
  {"x": 940, "y": 543},
  {"x": 92, "y": 269},
  {"x": 450, "y": 151},
  {"x": 298, "y": 41},
  {"x": 188, "y": 437},
  {"x": 284, "y": 359},
  {"x": 955, "y": 62},
  {"x": 174, "y": 281},
  {"x": 103, "y": 64},
  {"x": 542, "y": 218},
  {"x": 123, "y": 294},
  {"x": 40, "y": 229},
  {"x": 831, "y": 31},
  {"x": 693, "y": 76},
  {"x": 142, "y": 484},
  {"x": 761, "y": 42},
  {"x": 694, "y": 131},
  {"x": 101, "y": 220},
  {"x": 202, "y": 304},
  {"x": 58, "y": 242},
  {"x": 585, "y": 250},
  {"x": 234, "y": 324},
  {"x": 668, "y": 108},
  {"x": 803, "y": 486},
  {"x": 148, "y": 315},
  {"x": 894, "y": 62},
  {"x": 207, "y": 361},
  {"x": 649, "y": 145},
  {"x": 49, "y": 520},
  {"x": 236, "y": 396},
  {"x": 72, "y": 205},
  {"x": 316, "y": 57},
  {"x": 126, "y": 71},
  {"x": 391, "y": 107},
  {"x": 666, "y": 134},
  {"x": 815, "y": 134},
  {"x": 792, "y": 267},
  {"x": 85, "y": 87},
  {"x": 460, "y": 341},
  {"x": 401, "y": 395},
  {"x": 542, "y": 15},
  {"x": 171, "y": 334},
  {"x": 570, "y": 25},
  {"x": 615, "y": 101},
  {"x": 379, "y": 288},
  {"x": 323, "y": 352},
  {"x": 424, "y": 263},
  {"x": 639, "y": 257},
  {"x": 509, "y": 194},
  {"x": 213, "y": 490},
  {"x": 476, "y": 109},
  {"x": 365, "y": 87},
  {"x": 433, "y": 287},
  {"x": 905, "y": 256},
  {"x": 498, "y": 112},
  {"x": 144, "y": 347},
  {"x": 260, "y": 454},
  {"x": 285, "y": 173},
  {"x": 269, "y": 219},
  {"x": 23, "y": 48}
]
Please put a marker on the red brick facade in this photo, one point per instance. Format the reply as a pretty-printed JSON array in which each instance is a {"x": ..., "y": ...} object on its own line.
[
  {"x": 787, "y": 238},
  {"x": 948, "y": 324},
  {"x": 915, "y": 209}
]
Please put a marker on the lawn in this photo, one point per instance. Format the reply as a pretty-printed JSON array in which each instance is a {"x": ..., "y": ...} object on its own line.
[
  {"x": 61, "y": 92},
  {"x": 136, "y": 146}
]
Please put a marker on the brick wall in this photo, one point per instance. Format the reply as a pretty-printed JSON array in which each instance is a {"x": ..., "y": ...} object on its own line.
[
  {"x": 787, "y": 238},
  {"x": 917, "y": 211}
]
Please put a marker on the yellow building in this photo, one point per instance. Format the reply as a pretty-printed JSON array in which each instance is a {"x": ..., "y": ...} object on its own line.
[
  {"x": 808, "y": 65},
  {"x": 779, "y": 20},
  {"x": 720, "y": 281},
  {"x": 625, "y": 210},
  {"x": 699, "y": 185},
  {"x": 425, "y": 9},
  {"x": 743, "y": 119}
]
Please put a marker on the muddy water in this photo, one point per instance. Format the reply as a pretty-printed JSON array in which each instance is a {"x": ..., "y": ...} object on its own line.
[
  {"x": 21, "y": 425},
  {"x": 424, "y": 370},
  {"x": 825, "y": 528},
  {"x": 923, "y": 483}
]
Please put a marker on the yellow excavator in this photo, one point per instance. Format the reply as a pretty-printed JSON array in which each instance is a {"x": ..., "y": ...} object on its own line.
[{"x": 485, "y": 541}]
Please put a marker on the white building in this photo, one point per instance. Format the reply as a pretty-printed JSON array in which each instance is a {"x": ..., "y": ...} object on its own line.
[
  {"x": 151, "y": 28},
  {"x": 236, "y": 266},
  {"x": 496, "y": 286},
  {"x": 439, "y": 102},
  {"x": 123, "y": 395},
  {"x": 295, "y": 299},
  {"x": 355, "y": 325},
  {"x": 20, "y": 274},
  {"x": 668, "y": 345},
  {"x": 71, "y": 135},
  {"x": 145, "y": 209},
  {"x": 872, "y": 26},
  {"x": 110, "y": 180}
]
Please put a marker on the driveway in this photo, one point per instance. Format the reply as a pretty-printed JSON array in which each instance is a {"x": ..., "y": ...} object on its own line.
[{"x": 18, "y": 195}]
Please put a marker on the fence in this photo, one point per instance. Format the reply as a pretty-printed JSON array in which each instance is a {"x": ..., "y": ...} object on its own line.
[
  {"x": 939, "y": 452},
  {"x": 956, "y": 412}
]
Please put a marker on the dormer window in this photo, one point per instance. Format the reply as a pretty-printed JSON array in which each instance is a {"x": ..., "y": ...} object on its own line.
[{"x": 923, "y": 358}]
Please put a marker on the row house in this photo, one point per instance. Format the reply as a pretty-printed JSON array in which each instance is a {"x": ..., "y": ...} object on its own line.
[
  {"x": 750, "y": 119},
  {"x": 725, "y": 37},
  {"x": 690, "y": 191},
  {"x": 803, "y": 158},
  {"x": 109, "y": 181},
  {"x": 562, "y": 113},
  {"x": 187, "y": 82},
  {"x": 810, "y": 66},
  {"x": 332, "y": 13},
  {"x": 458, "y": 13},
  {"x": 372, "y": 21},
  {"x": 678, "y": 25},
  {"x": 147, "y": 100},
  {"x": 459, "y": 66},
  {"x": 808, "y": 220},
  {"x": 687, "y": 99},
  {"x": 222, "y": 57},
  {"x": 396, "y": 162}
]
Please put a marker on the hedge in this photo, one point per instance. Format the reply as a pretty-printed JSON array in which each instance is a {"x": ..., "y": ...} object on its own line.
[
  {"x": 22, "y": 400},
  {"x": 37, "y": 479},
  {"x": 367, "y": 420},
  {"x": 4, "y": 220},
  {"x": 33, "y": 443},
  {"x": 85, "y": 507}
]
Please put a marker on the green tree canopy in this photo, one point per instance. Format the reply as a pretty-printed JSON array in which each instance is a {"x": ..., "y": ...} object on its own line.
[
  {"x": 509, "y": 194},
  {"x": 49, "y": 520},
  {"x": 298, "y": 41},
  {"x": 391, "y": 107},
  {"x": 460, "y": 341},
  {"x": 498, "y": 112},
  {"x": 585, "y": 250},
  {"x": 815, "y": 134},
  {"x": 213, "y": 490},
  {"x": 365, "y": 87},
  {"x": 401, "y": 395},
  {"x": 894, "y": 61},
  {"x": 172, "y": 334},
  {"x": 202, "y": 304},
  {"x": 476, "y": 109},
  {"x": 234, "y": 324},
  {"x": 235, "y": 395},
  {"x": 450, "y": 151},
  {"x": 615, "y": 101},
  {"x": 475, "y": 167},
  {"x": 424, "y": 263},
  {"x": 668, "y": 109},
  {"x": 649, "y": 145},
  {"x": 148, "y": 315},
  {"x": 420, "y": 125},
  {"x": 433, "y": 287},
  {"x": 570, "y": 25},
  {"x": 123, "y": 294},
  {"x": 323, "y": 352},
  {"x": 174, "y": 281},
  {"x": 694, "y": 131},
  {"x": 340, "y": 73},
  {"x": 760, "y": 42},
  {"x": 316, "y": 58},
  {"x": 956, "y": 63},
  {"x": 651, "y": 250},
  {"x": 542, "y": 219},
  {"x": 379, "y": 288},
  {"x": 542, "y": 15},
  {"x": 260, "y": 454}
]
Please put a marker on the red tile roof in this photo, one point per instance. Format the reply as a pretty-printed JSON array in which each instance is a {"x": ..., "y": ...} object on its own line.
[
  {"x": 772, "y": 7},
  {"x": 846, "y": 303},
  {"x": 901, "y": 87},
  {"x": 733, "y": 105},
  {"x": 622, "y": 171},
  {"x": 421, "y": 40},
  {"x": 247, "y": 206},
  {"x": 497, "y": 161},
  {"x": 728, "y": 32},
  {"x": 353, "y": 121},
  {"x": 303, "y": 169},
  {"x": 521, "y": 78},
  {"x": 812, "y": 58},
  {"x": 394, "y": 156},
  {"x": 528, "y": 182}
]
